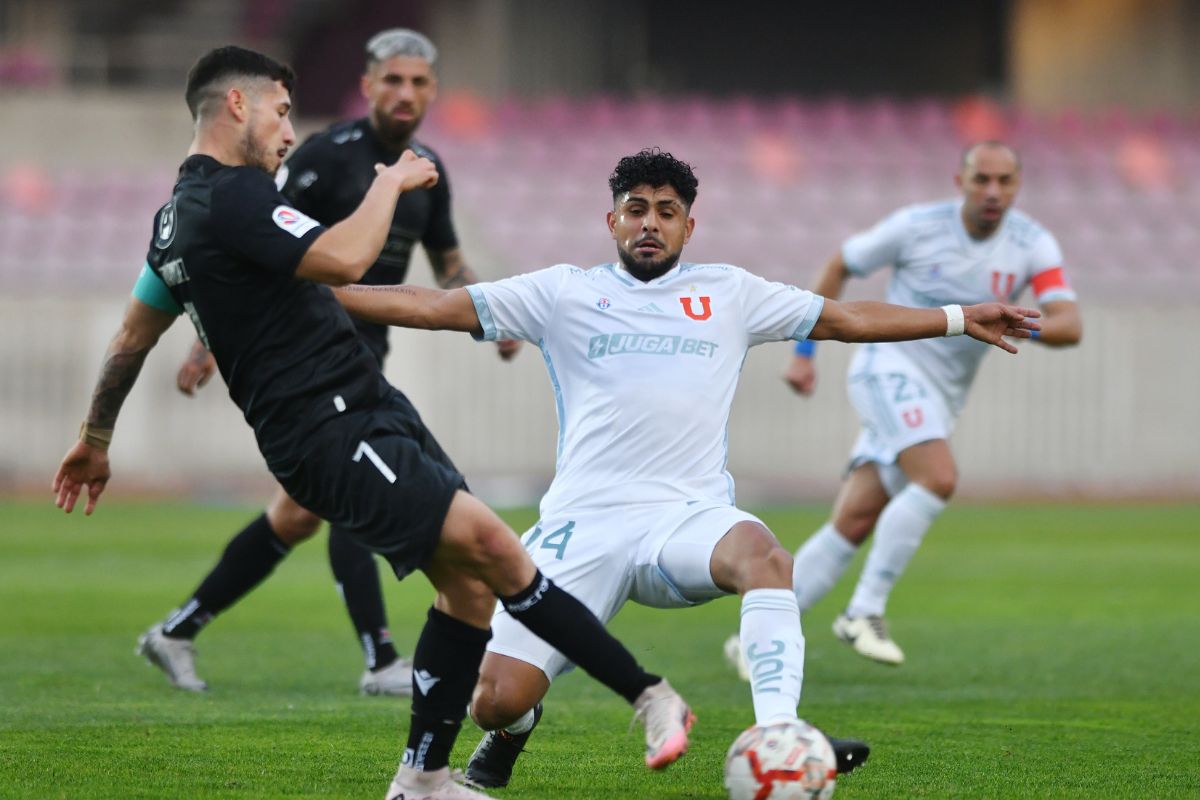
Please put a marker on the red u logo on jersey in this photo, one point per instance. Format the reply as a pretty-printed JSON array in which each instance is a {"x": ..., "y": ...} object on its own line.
[
  {"x": 1002, "y": 284},
  {"x": 705, "y": 307},
  {"x": 913, "y": 417}
]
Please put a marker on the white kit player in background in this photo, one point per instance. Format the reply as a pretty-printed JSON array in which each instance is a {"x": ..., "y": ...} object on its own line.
[
  {"x": 644, "y": 356},
  {"x": 909, "y": 394}
]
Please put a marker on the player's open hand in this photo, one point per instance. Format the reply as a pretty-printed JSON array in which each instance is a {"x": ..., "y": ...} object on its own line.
[
  {"x": 83, "y": 465},
  {"x": 411, "y": 171},
  {"x": 991, "y": 322},
  {"x": 196, "y": 370},
  {"x": 801, "y": 375},
  {"x": 507, "y": 349}
]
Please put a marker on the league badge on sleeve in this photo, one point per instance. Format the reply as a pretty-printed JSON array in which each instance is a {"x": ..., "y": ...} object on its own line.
[{"x": 294, "y": 222}]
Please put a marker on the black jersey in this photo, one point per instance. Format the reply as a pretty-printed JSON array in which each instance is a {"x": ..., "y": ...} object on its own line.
[
  {"x": 227, "y": 246},
  {"x": 327, "y": 178}
]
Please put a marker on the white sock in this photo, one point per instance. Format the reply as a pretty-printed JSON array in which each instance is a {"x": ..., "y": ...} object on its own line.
[
  {"x": 820, "y": 563},
  {"x": 523, "y": 725},
  {"x": 774, "y": 647},
  {"x": 898, "y": 534}
]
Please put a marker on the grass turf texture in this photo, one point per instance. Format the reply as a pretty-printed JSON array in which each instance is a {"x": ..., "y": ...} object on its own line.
[{"x": 1053, "y": 652}]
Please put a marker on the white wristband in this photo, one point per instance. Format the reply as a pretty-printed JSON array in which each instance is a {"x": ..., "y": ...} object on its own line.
[{"x": 956, "y": 323}]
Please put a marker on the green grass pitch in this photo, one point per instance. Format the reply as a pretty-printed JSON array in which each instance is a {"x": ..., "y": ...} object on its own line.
[{"x": 1054, "y": 651}]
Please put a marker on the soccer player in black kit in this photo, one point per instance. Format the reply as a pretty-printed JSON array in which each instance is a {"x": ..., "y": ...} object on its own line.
[
  {"x": 252, "y": 272},
  {"x": 326, "y": 179}
]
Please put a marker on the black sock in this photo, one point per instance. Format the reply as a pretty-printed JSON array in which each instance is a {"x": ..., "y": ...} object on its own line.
[
  {"x": 248, "y": 558},
  {"x": 573, "y": 630},
  {"x": 445, "y": 669},
  {"x": 357, "y": 576}
]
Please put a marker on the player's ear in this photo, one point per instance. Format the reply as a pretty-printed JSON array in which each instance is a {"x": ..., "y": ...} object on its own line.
[
  {"x": 689, "y": 227},
  {"x": 237, "y": 103},
  {"x": 611, "y": 219},
  {"x": 364, "y": 85},
  {"x": 958, "y": 181}
]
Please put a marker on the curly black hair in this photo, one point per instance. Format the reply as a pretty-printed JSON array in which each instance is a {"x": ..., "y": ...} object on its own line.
[{"x": 654, "y": 167}]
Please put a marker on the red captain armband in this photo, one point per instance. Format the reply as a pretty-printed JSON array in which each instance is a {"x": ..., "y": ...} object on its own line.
[{"x": 1049, "y": 280}]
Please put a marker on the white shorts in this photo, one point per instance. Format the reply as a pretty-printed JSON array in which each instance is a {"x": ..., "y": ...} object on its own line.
[
  {"x": 656, "y": 554},
  {"x": 898, "y": 408}
]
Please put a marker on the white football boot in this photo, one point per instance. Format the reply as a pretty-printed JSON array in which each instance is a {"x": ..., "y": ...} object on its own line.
[
  {"x": 869, "y": 636},
  {"x": 667, "y": 719},
  {"x": 394, "y": 680},
  {"x": 736, "y": 658},
  {"x": 175, "y": 657},
  {"x": 441, "y": 784}
]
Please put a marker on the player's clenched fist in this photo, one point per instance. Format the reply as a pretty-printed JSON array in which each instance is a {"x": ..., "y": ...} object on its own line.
[{"x": 410, "y": 171}]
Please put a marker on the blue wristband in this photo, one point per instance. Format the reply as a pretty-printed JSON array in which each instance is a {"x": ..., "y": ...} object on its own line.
[
  {"x": 1035, "y": 334},
  {"x": 806, "y": 348}
]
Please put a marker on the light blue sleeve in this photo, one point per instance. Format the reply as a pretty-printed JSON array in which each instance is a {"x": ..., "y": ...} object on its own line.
[{"x": 153, "y": 292}]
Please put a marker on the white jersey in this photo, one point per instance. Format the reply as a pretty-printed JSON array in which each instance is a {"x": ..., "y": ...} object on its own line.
[
  {"x": 937, "y": 263},
  {"x": 643, "y": 373}
]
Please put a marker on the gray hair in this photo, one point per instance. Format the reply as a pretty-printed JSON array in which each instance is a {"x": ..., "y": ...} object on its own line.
[{"x": 399, "y": 42}]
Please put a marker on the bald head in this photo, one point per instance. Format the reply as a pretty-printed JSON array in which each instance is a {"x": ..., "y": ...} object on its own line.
[
  {"x": 988, "y": 177},
  {"x": 970, "y": 153}
]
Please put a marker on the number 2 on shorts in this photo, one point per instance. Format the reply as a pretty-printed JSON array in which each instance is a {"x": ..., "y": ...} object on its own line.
[
  {"x": 373, "y": 457},
  {"x": 555, "y": 540}
]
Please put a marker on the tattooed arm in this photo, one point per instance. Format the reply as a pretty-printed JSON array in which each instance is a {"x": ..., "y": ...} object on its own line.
[
  {"x": 451, "y": 271},
  {"x": 86, "y": 463},
  {"x": 412, "y": 307}
]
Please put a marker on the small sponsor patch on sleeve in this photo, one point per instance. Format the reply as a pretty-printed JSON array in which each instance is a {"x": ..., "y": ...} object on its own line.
[{"x": 294, "y": 222}]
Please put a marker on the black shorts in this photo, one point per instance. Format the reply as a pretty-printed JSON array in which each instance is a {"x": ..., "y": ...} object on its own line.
[{"x": 379, "y": 475}]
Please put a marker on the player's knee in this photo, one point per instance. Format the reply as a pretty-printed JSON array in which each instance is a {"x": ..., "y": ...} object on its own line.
[
  {"x": 491, "y": 708},
  {"x": 942, "y": 481},
  {"x": 855, "y": 527},
  {"x": 293, "y": 524},
  {"x": 761, "y": 561}
]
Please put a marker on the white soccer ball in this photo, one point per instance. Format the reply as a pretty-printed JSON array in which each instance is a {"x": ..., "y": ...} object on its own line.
[{"x": 782, "y": 761}]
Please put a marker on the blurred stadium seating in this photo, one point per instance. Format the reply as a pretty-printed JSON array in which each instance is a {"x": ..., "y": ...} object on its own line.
[{"x": 782, "y": 183}]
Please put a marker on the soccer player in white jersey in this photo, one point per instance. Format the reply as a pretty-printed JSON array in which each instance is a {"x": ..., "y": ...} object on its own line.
[
  {"x": 909, "y": 394},
  {"x": 644, "y": 356}
]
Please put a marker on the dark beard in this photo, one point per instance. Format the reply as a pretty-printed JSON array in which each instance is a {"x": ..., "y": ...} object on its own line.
[
  {"x": 648, "y": 272},
  {"x": 254, "y": 155},
  {"x": 395, "y": 136}
]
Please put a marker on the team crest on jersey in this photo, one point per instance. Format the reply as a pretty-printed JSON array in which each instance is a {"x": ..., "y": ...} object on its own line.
[
  {"x": 913, "y": 417},
  {"x": 166, "y": 227},
  {"x": 603, "y": 304},
  {"x": 294, "y": 222},
  {"x": 705, "y": 307},
  {"x": 1002, "y": 284}
]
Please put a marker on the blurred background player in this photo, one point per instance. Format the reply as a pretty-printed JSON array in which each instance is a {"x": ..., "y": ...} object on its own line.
[
  {"x": 908, "y": 395},
  {"x": 326, "y": 178},
  {"x": 645, "y": 356}
]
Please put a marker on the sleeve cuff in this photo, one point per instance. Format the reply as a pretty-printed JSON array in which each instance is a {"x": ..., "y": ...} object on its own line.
[
  {"x": 810, "y": 319},
  {"x": 484, "y": 312}
]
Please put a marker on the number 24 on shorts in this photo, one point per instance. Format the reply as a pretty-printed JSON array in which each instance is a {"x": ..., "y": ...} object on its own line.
[{"x": 555, "y": 540}]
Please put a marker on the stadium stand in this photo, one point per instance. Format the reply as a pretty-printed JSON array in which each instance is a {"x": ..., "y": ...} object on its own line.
[{"x": 784, "y": 181}]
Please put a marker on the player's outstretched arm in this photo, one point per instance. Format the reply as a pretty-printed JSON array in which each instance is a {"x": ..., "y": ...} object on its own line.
[
  {"x": 412, "y": 307},
  {"x": 345, "y": 252},
  {"x": 452, "y": 271},
  {"x": 86, "y": 463},
  {"x": 867, "y": 321},
  {"x": 801, "y": 373}
]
